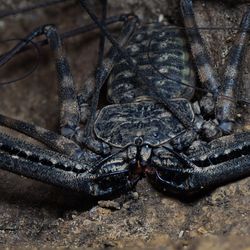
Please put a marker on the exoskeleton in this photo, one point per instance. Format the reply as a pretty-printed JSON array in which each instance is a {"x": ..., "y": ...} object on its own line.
[{"x": 150, "y": 128}]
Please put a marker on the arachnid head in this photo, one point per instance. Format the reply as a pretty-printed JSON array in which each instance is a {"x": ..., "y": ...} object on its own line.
[{"x": 121, "y": 171}]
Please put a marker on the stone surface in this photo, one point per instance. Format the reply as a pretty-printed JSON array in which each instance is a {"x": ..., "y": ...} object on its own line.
[{"x": 34, "y": 214}]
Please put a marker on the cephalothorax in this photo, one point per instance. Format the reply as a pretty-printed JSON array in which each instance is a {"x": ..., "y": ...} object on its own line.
[{"x": 151, "y": 129}]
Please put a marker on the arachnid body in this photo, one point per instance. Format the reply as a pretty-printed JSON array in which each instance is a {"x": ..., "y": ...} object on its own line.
[{"x": 151, "y": 129}]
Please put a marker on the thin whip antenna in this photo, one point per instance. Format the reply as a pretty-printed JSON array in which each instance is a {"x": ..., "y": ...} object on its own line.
[
  {"x": 75, "y": 32},
  {"x": 38, "y": 56},
  {"x": 6, "y": 13}
]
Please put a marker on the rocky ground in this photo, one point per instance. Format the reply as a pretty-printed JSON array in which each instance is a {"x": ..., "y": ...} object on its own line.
[{"x": 33, "y": 214}]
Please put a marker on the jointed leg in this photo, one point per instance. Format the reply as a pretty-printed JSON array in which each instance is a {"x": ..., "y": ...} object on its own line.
[
  {"x": 53, "y": 140},
  {"x": 224, "y": 95},
  {"x": 203, "y": 62},
  {"x": 92, "y": 89},
  {"x": 87, "y": 90},
  {"x": 226, "y": 103},
  {"x": 98, "y": 83},
  {"x": 69, "y": 117},
  {"x": 104, "y": 4},
  {"x": 69, "y": 110},
  {"x": 44, "y": 165},
  {"x": 86, "y": 136}
]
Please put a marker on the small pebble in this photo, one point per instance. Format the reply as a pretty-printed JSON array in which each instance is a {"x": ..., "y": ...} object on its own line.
[
  {"x": 181, "y": 234},
  {"x": 135, "y": 195},
  {"x": 160, "y": 18},
  {"x": 109, "y": 204}
]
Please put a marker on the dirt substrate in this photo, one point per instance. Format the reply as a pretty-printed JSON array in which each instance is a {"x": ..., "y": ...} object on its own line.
[{"x": 33, "y": 214}]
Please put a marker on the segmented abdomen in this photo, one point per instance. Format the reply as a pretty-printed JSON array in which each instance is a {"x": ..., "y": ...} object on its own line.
[{"x": 162, "y": 55}]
